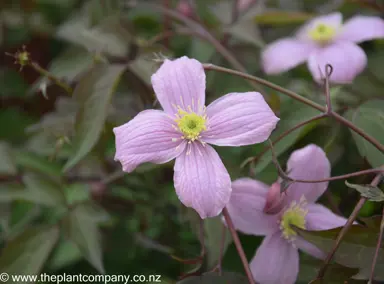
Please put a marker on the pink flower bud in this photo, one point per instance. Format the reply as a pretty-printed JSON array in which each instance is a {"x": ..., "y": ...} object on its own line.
[{"x": 274, "y": 199}]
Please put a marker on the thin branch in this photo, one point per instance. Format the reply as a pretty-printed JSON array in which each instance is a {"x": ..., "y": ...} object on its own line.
[
  {"x": 328, "y": 72},
  {"x": 238, "y": 245},
  {"x": 344, "y": 230},
  {"x": 281, "y": 136},
  {"x": 371, "y": 277},
  {"x": 166, "y": 23},
  {"x": 359, "y": 173},
  {"x": 302, "y": 99}
]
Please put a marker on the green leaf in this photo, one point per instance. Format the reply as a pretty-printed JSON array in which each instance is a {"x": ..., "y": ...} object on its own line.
[
  {"x": 65, "y": 254},
  {"x": 373, "y": 193},
  {"x": 282, "y": 17},
  {"x": 356, "y": 250},
  {"x": 38, "y": 164},
  {"x": 81, "y": 227},
  {"x": 335, "y": 274},
  {"x": 288, "y": 119},
  {"x": 110, "y": 37},
  {"x": 7, "y": 163},
  {"x": 215, "y": 278},
  {"x": 67, "y": 66},
  {"x": 94, "y": 93},
  {"x": 39, "y": 190},
  {"x": 28, "y": 252},
  {"x": 369, "y": 117},
  {"x": 214, "y": 229}
]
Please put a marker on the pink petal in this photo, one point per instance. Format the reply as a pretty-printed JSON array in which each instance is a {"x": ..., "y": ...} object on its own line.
[
  {"x": 285, "y": 54},
  {"x": 276, "y": 261},
  {"x": 347, "y": 59},
  {"x": 180, "y": 82},
  {"x": 147, "y": 138},
  {"x": 362, "y": 28},
  {"x": 246, "y": 208},
  {"x": 201, "y": 180},
  {"x": 239, "y": 119},
  {"x": 308, "y": 163},
  {"x": 309, "y": 248},
  {"x": 333, "y": 20},
  {"x": 320, "y": 218}
]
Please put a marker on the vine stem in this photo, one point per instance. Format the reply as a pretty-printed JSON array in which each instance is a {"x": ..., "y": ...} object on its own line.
[
  {"x": 344, "y": 230},
  {"x": 238, "y": 245},
  {"x": 377, "y": 249},
  {"x": 166, "y": 23},
  {"x": 302, "y": 99},
  {"x": 281, "y": 136}
]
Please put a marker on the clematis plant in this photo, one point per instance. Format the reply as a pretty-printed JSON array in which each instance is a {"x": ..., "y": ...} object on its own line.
[
  {"x": 257, "y": 210},
  {"x": 324, "y": 40},
  {"x": 186, "y": 127}
]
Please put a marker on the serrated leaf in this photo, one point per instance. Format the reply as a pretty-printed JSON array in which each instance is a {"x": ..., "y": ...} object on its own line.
[
  {"x": 93, "y": 93},
  {"x": 110, "y": 36},
  {"x": 369, "y": 117},
  {"x": 372, "y": 193},
  {"x": 81, "y": 227},
  {"x": 7, "y": 163},
  {"x": 215, "y": 278},
  {"x": 214, "y": 229},
  {"x": 28, "y": 252},
  {"x": 356, "y": 250}
]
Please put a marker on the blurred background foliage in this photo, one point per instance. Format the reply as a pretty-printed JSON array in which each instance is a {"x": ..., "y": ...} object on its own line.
[{"x": 65, "y": 204}]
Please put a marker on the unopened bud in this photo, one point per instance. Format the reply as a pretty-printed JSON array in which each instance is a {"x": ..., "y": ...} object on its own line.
[{"x": 274, "y": 199}]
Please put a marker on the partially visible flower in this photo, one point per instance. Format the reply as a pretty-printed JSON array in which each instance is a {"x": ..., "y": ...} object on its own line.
[
  {"x": 277, "y": 259},
  {"x": 324, "y": 40},
  {"x": 184, "y": 128}
]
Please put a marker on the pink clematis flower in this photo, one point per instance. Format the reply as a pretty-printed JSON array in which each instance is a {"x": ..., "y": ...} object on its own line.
[
  {"x": 257, "y": 210},
  {"x": 324, "y": 40},
  {"x": 184, "y": 128}
]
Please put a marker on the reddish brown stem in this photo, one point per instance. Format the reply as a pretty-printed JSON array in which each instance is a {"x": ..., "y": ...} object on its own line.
[
  {"x": 371, "y": 277},
  {"x": 238, "y": 245},
  {"x": 344, "y": 230}
]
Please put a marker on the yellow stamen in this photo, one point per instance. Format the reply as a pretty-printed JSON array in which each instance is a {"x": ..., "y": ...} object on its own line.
[
  {"x": 190, "y": 124},
  {"x": 322, "y": 33},
  {"x": 294, "y": 215}
]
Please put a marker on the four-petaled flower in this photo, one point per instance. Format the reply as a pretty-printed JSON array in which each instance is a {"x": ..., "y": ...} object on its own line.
[
  {"x": 324, "y": 40},
  {"x": 184, "y": 128},
  {"x": 257, "y": 210}
]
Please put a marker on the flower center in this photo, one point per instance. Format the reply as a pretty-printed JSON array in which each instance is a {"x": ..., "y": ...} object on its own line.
[
  {"x": 322, "y": 33},
  {"x": 190, "y": 124},
  {"x": 294, "y": 215}
]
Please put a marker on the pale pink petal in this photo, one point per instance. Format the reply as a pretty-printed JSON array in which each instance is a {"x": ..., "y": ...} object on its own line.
[
  {"x": 201, "y": 180},
  {"x": 180, "y": 83},
  {"x": 246, "y": 208},
  {"x": 347, "y": 59},
  {"x": 320, "y": 218},
  {"x": 308, "y": 163},
  {"x": 334, "y": 20},
  {"x": 276, "y": 261},
  {"x": 147, "y": 138},
  {"x": 285, "y": 54},
  {"x": 362, "y": 28},
  {"x": 238, "y": 119},
  {"x": 309, "y": 248}
]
